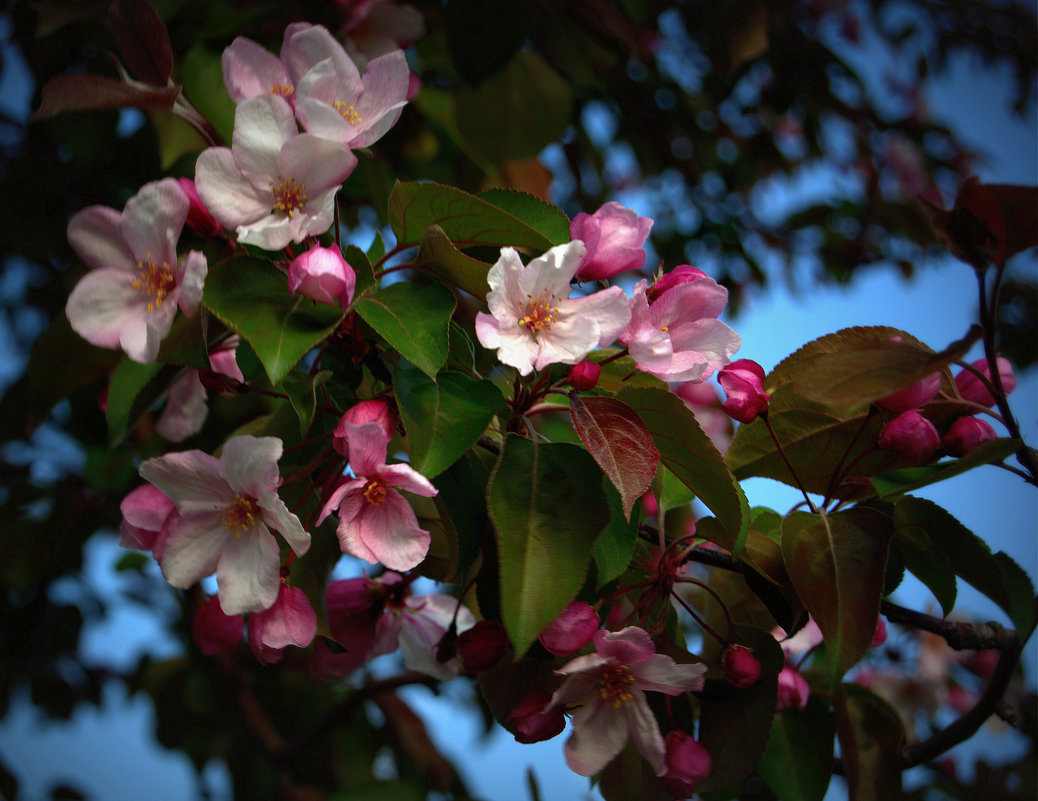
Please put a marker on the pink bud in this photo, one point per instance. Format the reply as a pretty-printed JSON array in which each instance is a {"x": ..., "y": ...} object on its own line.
[
  {"x": 290, "y": 621},
  {"x": 199, "y": 219},
  {"x": 879, "y": 636},
  {"x": 966, "y": 435},
  {"x": 682, "y": 274},
  {"x": 323, "y": 275},
  {"x": 375, "y": 410},
  {"x": 972, "y": 388},
  {"x": 741, "y": 667},
  {"x": 687, "y": 764},
  {"x": 533, "y": 722},
  {"x": 910, "y": 435},
  {"x": 482, "y": 646},
  {"x": 743, "y": 384},
  {"x": 919, "y": 394},
  {"x": 571, "y": 630},
  {"x": 793, "y": 689},
  {"x": 650, "y": 506},
  {"x": 223, "y": 358},
  {"x": 584, "y": 375},
  {"x": 215, "y": 632},
  {"x": 983, "y": 663},
  {"x": 614, "y": 237}
]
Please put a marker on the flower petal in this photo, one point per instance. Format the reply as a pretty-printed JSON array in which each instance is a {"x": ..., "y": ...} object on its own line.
[
  {"x": 102, "y": 303},
  {"x": 250, "y": 464},
  {"x": 193, "y": 549},
  {"x": 248, "y": 572},
  {"x": 277, "y": 515},
  {"x": 191, "y": 479},
  {"x": 153, "y": 219},
  {"x": 96, "y": 235},
  {"x": 644, "y": 730},
  {"x": 599, "y": 734},
  {"x": 662, "y": 674},
  {"x": 231, "y": 199}
]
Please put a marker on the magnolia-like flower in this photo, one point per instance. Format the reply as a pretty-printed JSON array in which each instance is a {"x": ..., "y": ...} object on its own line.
[
  {"x": 533, "y": 321},
  {"x": 227, "y": 507},
  {"x": 273, "y": 185},
  {"x": 129, "y": 298},
  {"x": 375, "y": 522},
  {"x": 678, "y": 336},
  {"x": 609, "y": 685},
  {"x": 614, "y": 237}
]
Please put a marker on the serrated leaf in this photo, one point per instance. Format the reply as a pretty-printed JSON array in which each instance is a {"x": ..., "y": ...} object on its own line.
[
  {"x": 442, "y": 417},
  {"x": 544, "y": 547},
  {"x": 898, "y": 482},
  {"x": 250, "y": 296},
  {"x": 797, "y": 764},
  {"x": 692, "y": 457},
  {"x": 836, "y": 563},
  {"x": 619, "y": 441},
  {"x": 547, "y": 218},
  {"x": 871, "y": 734},
  {"x": 445, "y": 260},
  {"x": 413, "y": 319}
]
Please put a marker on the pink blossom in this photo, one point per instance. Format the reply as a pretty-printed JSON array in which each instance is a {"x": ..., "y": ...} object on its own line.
[
  {"x": 682, "y": 274},
  {"x": 129, "y": 298},
  {"x": 223, "y": 358},
  {"x": 741, "y": 667},
  {"x": 273, "y": 185},
  {"x": 534, "y": 721},
  {"x": 793, "y": 689},
  {"x": 571, "y": 630},
  {"x": 533, "y": 321},
  {"x": 678, "y": 337},
  {"x": 584, "y": 375},
  {"x": 147, "y": 515},
  {"x": 743, "y": 384},
  {"x": 250, "y": 70},
  {"x": 375, "y": 27},
  {"x": 614, "y": 237},
  {"x": 879, "y": 636},
  {"x": 226, "y": 509},
  {"x": 966, "y": 435},
  {"x": 290, "y": 621},
  {"x": 973, "y": 389},
  {"x": 375, "y": 410},
  {"x": 199, "y": 219},
  {"x": 609, "y": 688},
  {"x": 688, "y": 763},
  {"x": 919, "y": 394},
  {"x": 703, "y": 401},
  {"x": 911, "y": 435},
  {"x": 806, "y": 639},
  {"x": 215, "y": 632},
  {"x": 375, "y": 522},
  {"x": 323, "y": 275},
  {"x": 185, "y": 410}
]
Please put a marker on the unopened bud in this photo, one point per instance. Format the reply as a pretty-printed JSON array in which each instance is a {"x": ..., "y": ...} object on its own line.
[
  {"x": 966, "y": 435},
  {"x": 533, "y": 721},
  {"x": 687, "y": 763},
  {"x": 741, "y": 667},
  {"x": 482, "y": 646},
  {"x": 911, "y": 435},
  {"x": 571, "y": 630},
  {"x": 743, "y": 384}
]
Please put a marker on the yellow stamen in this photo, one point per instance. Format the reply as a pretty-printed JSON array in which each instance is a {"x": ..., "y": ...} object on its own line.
[
  {"x": 284, "y": 90},
  {"x": 240, "y": 514},
  {"x": 375, "y": 491},
  {"x": 539, "y": 315},
  {"x": 288, "y": 196},
  {"x": 348, "y": 113},
  {"x": 613, "y": 685},
  {"x": 154, "y": 281}
]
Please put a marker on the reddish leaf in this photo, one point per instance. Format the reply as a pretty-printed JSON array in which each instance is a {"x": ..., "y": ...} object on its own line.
[
  {"x": 619, "y": 441},
  {"x": 143, "y": 40},
  {"x": 92, "y": 92}
]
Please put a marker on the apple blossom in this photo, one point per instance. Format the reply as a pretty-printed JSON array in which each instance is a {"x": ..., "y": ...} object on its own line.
[
  {"x": 374, "y": 410},
  {"x": 741, "y": 667},
  {"x": 199, "y": 219},
  {"x": 533, "y": 321},
  {"x": 704, "y": 402},
  {"x": 375, "y": 27},
  {"x": 323, "y": 275},
  {"x": 250, "y": 70},
  {"x": 147, "y": 515},
  {"x": 609, "y": 686},
  {"x": 584, "y": 375},
  {"x": 273, "y": 185},
  {"x": 688, "y": 763},
  {"x": 793, "y": 689},
  {"x": 571, "y": 630},
  {"x": 185, "y": 410},
  {"x": 911, "y": 435},
  {"x": 290, "y": 621},
  {"x": 966, "y": 435},
  {"x": 614, "y": 237},
  {"x": 971, "y": 388},
  {"x": 375, "y": 522},
  {"x": 226, "y": 508},
  {"x": 682, "y": 274},
  {"x": 129, "y": 298},
  {"x": 534, "y": 720},
  {"x": 743, "y": 384},
  {"x": 918, "y": 394},
  {"x": 214, "y": 631}
]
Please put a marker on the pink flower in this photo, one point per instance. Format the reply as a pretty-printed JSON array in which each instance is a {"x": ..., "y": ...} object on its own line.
[
  {"x": 704, "y": 402},
  {"x": 688, "y": 763},
  {"x": 678, "y": 337},
  {"x": 741, "y": 667},
  {"x": 919, "y": 394},
  {"x": 250, "y": 70},
  {"x": 185, "y": 410},
  {"x": 273, "y": 185},
  {"x": 793, "y": 689},
  {"x": 226, "y": 509},
  {"x": 571, "y": 630},
  {"x": 130, "y": 297},
  {"x": 375, "y": 410},
  {"x": 375, "y": 522},
  {"x": 609, "y": 687},
  {"x": 223, "y": 359},
  {"x": 682, "y": 274},
  {"x": 910, "y": 435},
  {"x": 743, "y": 384},
  {"x": 290, "y": 621},
  {"x": 966, "y": 435},
  {"x": 614, "y": 237},
  {"x": 376, "y": 27},
  {"x": 199, "y": 219},
  {"x": 323, "y": 275},
  {"x": 533, "y": 321},
  {"x": 879, "y": 636},
  {"x": 973, "y": 389},
  {"x": 214, "y": 631},
  {"x": 534, "y": 721},
  {"x": 147, "y": 515},
  {"x": 584, "y": 375}
]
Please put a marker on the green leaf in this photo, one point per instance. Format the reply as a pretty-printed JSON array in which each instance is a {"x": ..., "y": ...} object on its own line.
[
  {"x": 544, "y": 544},
  {"x": 250, "y": 296},
  {"x": 619, "y": 441},
  {"x": 897, "y": 482},
  {"x": 797, "y": 764},
  {"x": 837, "y": 564},
  {"x": 871, "y": 734},
  {"x": 670, "y": 491},
  {"x": 692, "y": 457},
  {"x": 413, "y": 319},
  {"x": 445, "y": 260},
  {"x": 615, "y": 545},
  {"x": 629, "y": 777},
  {"x": 547, "y": 218},
  {"x": 359, "y": 261},
  {"x": 302, "y": 394},
  {"x": 444, "y": 416},
  {"x": 462, "y": 504},
  {"x": 133, "y": 390}
]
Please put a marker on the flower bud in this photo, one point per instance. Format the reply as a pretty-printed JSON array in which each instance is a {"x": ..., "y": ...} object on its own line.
[
  {"x": 199, "y": 219},
  {"x": 375, "y": 410},
  {"x": 584, "y": 375},
  {"x": 215, "y": 632},
  {"x": 919, "y": 394},
  {"x": 687, "y": 763},
  {"x": 879, "y": 636},
  {"x": 682, "y": 274},
  {"x": 533, "y": 721},
  {"x": 793, "y": 689},
  {"x": 614, "y": 237},
  {"x": 741, "y": 667},
  {"x": 323, "y": 275},
  {"x": 966, "y": 435},
  {"x": 571, "y": 630},
  {"x": 910, "y": 435},
  {"x": 743, "y": 383},
  {"x": 482, "y": 646},
  {"x": 972, "y": 388}
]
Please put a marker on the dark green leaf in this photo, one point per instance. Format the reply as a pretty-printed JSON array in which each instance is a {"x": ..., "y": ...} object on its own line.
[
  {"x": 630, "y": 777},
  {"x": 132, "y": 391},
  {"x": 549, "y": 219},
  {"x": 445, "y": 260},
  {"x": 615, "y": 545},
  {"x": 871, "y": 734},
  {"x": 896, "y": 482},
  {"x": 797, "y": 763},
  {"x": 302, "y": 394}
]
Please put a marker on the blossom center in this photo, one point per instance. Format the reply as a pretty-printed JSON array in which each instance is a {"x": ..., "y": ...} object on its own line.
[
  {"x": 375, "y": 491},
  {"x": 240, "y": 514},
  {"x": 348, "y": 112},
  {"x": 614, "y": 683},
  {"x": 154, "y": 281},
  {"x": 289, "y": 197},
  {"x": 540, "y": 314},
  {"x": 284, "y": 89}
]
